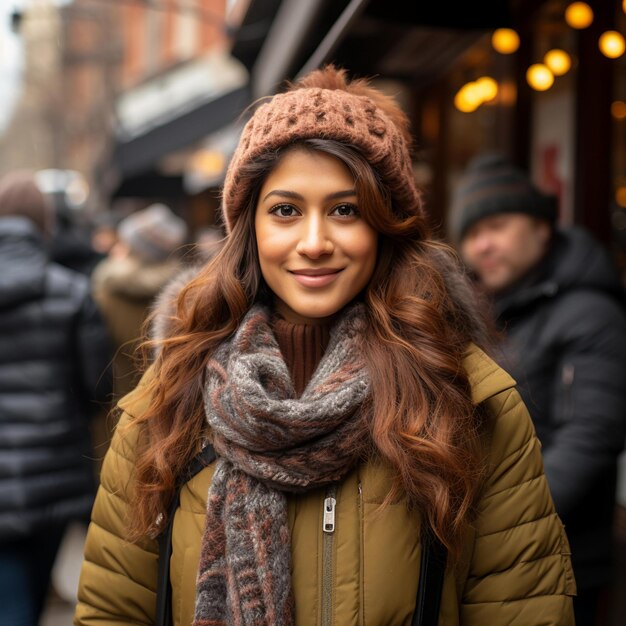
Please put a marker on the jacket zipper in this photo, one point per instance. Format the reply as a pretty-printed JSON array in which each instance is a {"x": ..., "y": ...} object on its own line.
[
  {"x": 361, "y": 590},
  {"x": 328, "y": 528}
]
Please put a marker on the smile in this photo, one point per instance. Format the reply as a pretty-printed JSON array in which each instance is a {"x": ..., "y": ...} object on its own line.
[{"x": 316, "y": 278}]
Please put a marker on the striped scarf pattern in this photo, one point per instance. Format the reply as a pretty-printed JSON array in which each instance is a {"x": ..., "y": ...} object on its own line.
[{"x": 271, "y": 443}]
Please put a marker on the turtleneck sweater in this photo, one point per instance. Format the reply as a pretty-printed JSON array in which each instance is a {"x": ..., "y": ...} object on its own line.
[{"x": 302, "y": 347}]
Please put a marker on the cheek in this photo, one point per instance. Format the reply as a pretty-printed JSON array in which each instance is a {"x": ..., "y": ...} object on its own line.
[
  {"x": 364, "y": 255},
  {"x": 271, "y": 244},
  {"x": 360, "y": 244},
  {"x": 467, "y": 250}
]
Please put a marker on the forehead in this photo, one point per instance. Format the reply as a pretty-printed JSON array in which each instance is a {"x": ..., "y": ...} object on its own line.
[{"x": 300, "y": 167}]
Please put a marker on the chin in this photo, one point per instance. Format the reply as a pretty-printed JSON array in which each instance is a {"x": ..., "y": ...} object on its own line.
[
  {"x": 496, "y": 286},
  {"x": 316, "y": 314}
]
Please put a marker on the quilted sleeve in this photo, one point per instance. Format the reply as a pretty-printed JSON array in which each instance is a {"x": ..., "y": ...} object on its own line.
[
  {"x": 520, "y": 572},
  {"x": 118, "y": 578}
]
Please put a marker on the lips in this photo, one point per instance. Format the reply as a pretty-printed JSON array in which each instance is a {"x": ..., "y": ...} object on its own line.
[{"x": 319, "y": 277}]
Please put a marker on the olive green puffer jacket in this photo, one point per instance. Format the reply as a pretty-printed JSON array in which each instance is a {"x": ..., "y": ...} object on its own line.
[{"x": 515, "y": 569}]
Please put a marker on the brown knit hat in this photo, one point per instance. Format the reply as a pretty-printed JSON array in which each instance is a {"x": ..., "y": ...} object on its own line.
[
  {"x": 20, "y": 196},
  {"x": 351, "y": 113}
]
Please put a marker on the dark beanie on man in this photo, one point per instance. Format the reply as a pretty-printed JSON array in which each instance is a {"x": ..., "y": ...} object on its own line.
[{"x": 493, "y": 185}]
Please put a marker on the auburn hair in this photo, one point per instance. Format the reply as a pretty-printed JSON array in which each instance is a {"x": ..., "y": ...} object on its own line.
[{"x": 421, "y": 317}]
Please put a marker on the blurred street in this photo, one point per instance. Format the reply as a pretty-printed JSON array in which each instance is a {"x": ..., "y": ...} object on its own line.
[
  {"x": 57, "y": 613},
  {"x": 60, "y": 606}
]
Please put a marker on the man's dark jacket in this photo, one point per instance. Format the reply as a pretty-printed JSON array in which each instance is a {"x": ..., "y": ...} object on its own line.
[
  {"x": 565, "y": 344},
  {"x": 53, "y": 352}
]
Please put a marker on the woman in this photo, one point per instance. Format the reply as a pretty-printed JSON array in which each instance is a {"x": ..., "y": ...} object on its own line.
[{"x": 328, "y": 355}]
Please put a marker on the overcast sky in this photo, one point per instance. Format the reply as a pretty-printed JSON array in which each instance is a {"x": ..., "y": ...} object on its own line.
[{"x": 10, "y": 61}]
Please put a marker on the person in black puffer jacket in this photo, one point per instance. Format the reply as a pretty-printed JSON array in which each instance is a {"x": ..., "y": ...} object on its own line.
[
  {"x": 54, "y": 353},
  {"x": 559, "y": 303}
]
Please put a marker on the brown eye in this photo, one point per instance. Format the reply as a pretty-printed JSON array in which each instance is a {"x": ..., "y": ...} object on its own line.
[
  {"x": 284, "y": 210},
  {"x": 345, "y": 210}
]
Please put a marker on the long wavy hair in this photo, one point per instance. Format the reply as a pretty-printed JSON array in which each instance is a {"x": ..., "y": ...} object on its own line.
[{"x": 421, "y": 317}]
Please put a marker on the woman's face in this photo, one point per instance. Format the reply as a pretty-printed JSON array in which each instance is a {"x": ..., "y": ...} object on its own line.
[{"x": 316, "y": 252}]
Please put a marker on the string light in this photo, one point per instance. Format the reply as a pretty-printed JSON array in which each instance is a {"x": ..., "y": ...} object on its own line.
[
  {"x": 468, "y": 98},
  {"x": 487, "y": 87},
  {"x": 475, "y": 93},
  {"x": 618, "y": 110},
  {"x": 505, "y": 40},
  {"x": 579, "y": 15},
  {"x": 558, "y": 61},
  {"x": 612, "y": 44},
  {"x": 539, "y": 77}
]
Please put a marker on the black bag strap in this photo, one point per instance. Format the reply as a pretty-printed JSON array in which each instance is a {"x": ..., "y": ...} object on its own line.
[
  {"x": 432, "y": 564},
  {"x": 432, "y": 571},
  {"x": 164, "y": 589}
]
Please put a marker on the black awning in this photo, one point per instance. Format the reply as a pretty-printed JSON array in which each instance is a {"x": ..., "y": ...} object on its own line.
[
  {"x": 481, "y": 15},
  {"x": 251, "y": 33},
  {"x": 141, "y": 154},
  {"x": 150, "y": 184}
]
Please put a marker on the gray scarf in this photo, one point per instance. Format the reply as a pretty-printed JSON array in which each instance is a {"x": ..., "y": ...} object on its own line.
[{"x": 269, "y": 443}]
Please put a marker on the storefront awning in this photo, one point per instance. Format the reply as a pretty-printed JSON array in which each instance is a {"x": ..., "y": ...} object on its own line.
[
  {"x": 177, "y": 110},
  {"x": 141, "y": 153}
]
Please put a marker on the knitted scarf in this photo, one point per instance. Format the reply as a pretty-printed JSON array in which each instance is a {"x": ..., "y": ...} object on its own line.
[{"x": 269, "y": 443}]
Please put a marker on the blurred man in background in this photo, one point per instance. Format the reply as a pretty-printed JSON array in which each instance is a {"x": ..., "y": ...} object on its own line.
[
  {"x": 54, "y": 351},
  {"x": 559, "y": 304}
]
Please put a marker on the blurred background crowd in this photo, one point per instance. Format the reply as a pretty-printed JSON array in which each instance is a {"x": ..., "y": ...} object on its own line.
[{"x": 119, "y": 117}]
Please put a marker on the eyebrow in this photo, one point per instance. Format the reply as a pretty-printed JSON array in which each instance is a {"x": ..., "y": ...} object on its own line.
[{"x": 348, "y": 193}]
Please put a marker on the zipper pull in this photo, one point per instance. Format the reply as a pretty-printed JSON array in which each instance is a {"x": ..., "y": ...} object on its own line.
[
  {"x": 567, "y": 374},
  {"x": 328, "y": 525}
]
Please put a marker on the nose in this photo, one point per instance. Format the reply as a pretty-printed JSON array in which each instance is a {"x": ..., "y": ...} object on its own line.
[{"x": 315, "y": 241}]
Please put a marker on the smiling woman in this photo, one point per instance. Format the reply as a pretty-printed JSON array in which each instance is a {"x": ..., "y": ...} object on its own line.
[
  {"x": 327, "y": 363},
  {"x": 316, "y": 252}
]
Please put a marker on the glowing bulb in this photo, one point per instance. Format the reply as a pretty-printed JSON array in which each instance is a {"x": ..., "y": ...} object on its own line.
[
  {"x": 618, "y": 110},
  {"x": 539, "y": 77},
  {"x": 579, "y": 15},
  {"x": 558, "y": 61},
  {"x": 505, "y": 40},
  {"x": 468, "y": 98},
  {"x": 612, "y": 44},
  {"x": 620, "y": 196},
  {"x": 487, "y": 87}
]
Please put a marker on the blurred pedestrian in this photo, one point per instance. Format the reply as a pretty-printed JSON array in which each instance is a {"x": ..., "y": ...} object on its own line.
[
  {"x": 53, "y": 355},
  {"x": 559, "y": 304},
  {"x": 71, "y": 245},
  {"x": 125, "y": 284},
  {"x": 325, "y": 356}
]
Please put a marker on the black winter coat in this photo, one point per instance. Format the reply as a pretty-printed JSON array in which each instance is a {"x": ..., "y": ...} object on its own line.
[
  {"x": 53, "y": 352},
  {"x": 565, "y": 345}
]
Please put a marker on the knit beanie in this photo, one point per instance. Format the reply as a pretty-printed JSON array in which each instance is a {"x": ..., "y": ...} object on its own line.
[
  {"x": 153, "y": 233},
  {"x": 20, "y": 196},
  {"x": 348, "y": 112},
  {"x": 493, "y": 185}
]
